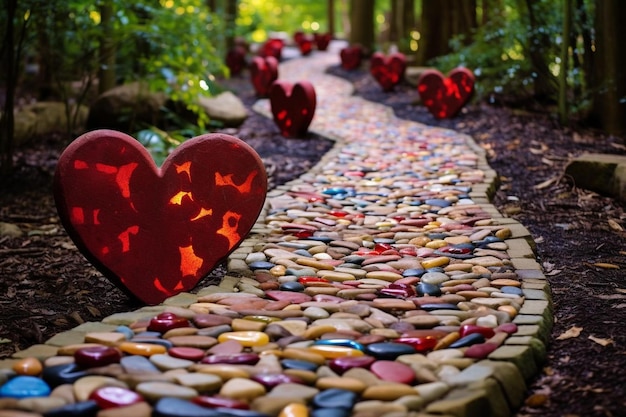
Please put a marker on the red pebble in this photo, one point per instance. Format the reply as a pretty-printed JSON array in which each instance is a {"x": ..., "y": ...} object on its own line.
[
  {"x": 393, "y": 371},
  {"x": 345, "y": 363},
  {"x": 421, "y": 344},
  {"x": 509, "y": 328},
  {"x": 188, "y": 353},
  {"x": 221, "y": 402},
  {"x": 382, "y": 247},
  {"x": 480, "y": 351},
  {"x": 468, "y": 329},
  {"x": 269, "y": 381},
  {"x": 167, "y": 321},
  {"x": 113, "y": 397},
  {"x": 91, "y": 357}
]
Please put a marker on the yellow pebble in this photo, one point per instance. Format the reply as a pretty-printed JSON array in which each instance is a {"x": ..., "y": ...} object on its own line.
[
  {"x": 314, "y": 332},
  {"x": 28, "y": 366},
  {"x": 246, "y": 338},
  {"x": 332, "y": 352},
  {"x": 142, "y": 349},
  {"x": 435, "y": 262},
  {"x": 419, "y": 241},
  {"x": 504, "y": 233},
  {"x": 447, "y": 340},
  {"x": 510, "y": 310},
  {"x": 248, "y": 325},
  {"x": 278, "y": 270},
  {"x": 436, "y": 244}
]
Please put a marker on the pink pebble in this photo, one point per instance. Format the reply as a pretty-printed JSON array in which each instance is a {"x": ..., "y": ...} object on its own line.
[{"x": 393, "y": 371}]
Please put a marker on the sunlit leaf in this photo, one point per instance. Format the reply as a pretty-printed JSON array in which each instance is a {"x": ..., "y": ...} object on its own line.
[
  {"x": 571, "y": 333},
  {"x": 600, "y": 341}
]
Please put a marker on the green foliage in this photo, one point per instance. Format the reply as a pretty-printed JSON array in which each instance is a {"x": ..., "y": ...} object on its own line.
[
  {"x": 501, "y": 51},
  {"x": 257, "y": 18}
]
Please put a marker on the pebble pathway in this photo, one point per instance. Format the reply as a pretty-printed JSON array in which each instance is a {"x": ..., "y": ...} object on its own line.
[{"x": 380, "y": 283}]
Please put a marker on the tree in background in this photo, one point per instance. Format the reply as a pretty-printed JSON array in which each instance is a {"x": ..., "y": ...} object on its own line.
[
  {"x": 362, "y": 24},
  {"x": 609, "y": 67},
  {"x": 443, "y": 21}
]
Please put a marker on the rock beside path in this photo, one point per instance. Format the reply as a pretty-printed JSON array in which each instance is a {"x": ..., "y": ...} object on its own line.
[{"x": 602, "y": 173}]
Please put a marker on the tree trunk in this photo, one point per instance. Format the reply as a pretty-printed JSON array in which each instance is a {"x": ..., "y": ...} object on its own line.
[
  {"x": 7, "y": 121},
  {"x": 441, "y": 21},
  {"x": 538, "y": 40},
  {"x": 106, "y": 76},
  {"x": 230, "y": 17},
  {"x": 609, "y": 77},
  {"x": 565, "y": 45},
  {"x": 362, "y": 24}
]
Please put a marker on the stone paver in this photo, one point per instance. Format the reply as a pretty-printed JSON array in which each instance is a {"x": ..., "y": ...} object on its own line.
[{"x": 380, "y": 282}]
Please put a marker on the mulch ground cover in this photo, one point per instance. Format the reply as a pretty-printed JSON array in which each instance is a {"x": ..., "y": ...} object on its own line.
[{"x": 47, "y": 287}]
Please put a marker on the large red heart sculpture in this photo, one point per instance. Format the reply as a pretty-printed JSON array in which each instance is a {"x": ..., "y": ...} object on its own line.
[
  {"x": 388, "y": 70},
  {"x": 351, "y": 57},
  {"x": 293, "y": 107},
  {"x": 153, "y": 231},
  {"x": 263, "y": 72},
  {"x": 445, "y": 96}
]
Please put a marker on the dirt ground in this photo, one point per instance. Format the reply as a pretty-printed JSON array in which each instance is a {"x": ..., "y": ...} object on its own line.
[{"x": 46, "y": 286}]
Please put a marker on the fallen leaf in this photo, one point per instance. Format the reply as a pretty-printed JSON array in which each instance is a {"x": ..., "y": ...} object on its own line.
[
  {"x": 554, "y": 272},
  {"x": 572, "y": 332},
  {"x": 615, "y": 226},
  {"x": 600, "y": 341},
  {"x": 621, "y": 290},
  {"x": 605, "y": 265},
  {"x": 611, "y": 297},
  {"x": 547, "y": 161},
  {"x": 622, "y": 305},
  {"x": 4, "y": 340}
]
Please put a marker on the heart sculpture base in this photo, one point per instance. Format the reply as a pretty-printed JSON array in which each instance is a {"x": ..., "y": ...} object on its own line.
[
  {"x": 156, "y": 232},
  {"x": 445, "y": 96}
]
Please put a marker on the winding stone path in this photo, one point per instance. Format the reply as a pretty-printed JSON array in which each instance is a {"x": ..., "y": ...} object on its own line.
[{"x": 382, "y": 282}]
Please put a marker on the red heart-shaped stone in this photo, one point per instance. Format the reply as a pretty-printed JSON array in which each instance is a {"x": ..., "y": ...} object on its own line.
[
  {"x": 236, "y": 60},
  {"x": 293, "y": 106},
  {"x": 445, "y": 96},
  {"x": 273, "y": 47},
  {"x": 322, "y": 40},
  {"x": 388, "y": 70},
  {"x": 153, "y": 231},
  {"x": 263, "y": 73},
  {"x": 351, "y": 57},
  {"x": 306, "y": 45}
]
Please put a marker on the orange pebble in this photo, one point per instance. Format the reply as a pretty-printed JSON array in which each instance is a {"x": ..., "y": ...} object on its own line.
[{"x": 28, "y": 366}]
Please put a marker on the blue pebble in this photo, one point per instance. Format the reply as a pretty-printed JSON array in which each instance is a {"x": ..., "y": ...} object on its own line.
[
  {"x": 388, "y": 350},
  {"x": 126, "y": 331},
  {"x": 299, "y": 364},
  {"x": 303, "y": 252},
  {"x": 413, "y": 272},
  {"x": 81, "y": 409},
  {"x": 62, "y": 374},
  {"x": 469, "y": 340},
  {"x": 335, "y": 398},
  {"x": 292, "y": 286},
  {"x": 512, "y": 290},
  {"x": 423, "y": 288},
  {"x": 24, "y": 387},
  {"x": 334, "y": 191},
  {"x": 438, "y": 202},
  {"x": 341, "y": 342},
  {"x": 175, "y": 407},
  {"x": 440, "y": 306},
  {"x": 261, "y": 265},
  {"x": 331, "y": 412}
]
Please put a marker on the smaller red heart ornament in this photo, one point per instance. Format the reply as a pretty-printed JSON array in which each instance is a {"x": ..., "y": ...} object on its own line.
[
  {"x": 306, "y": 45},
  {"x": 445, "y": 96},
  {"x": 236, "y": 60},
  {"x": 298, "y": 36},
  {"x": 263, "y": 72},
  {"x": 273, "y": 47},
  {"x": 156, "y": 232},
  {"x": 293, "y": 107},
  {"x": 322, "y": 40},
  {"x": 351, "y": 57},
  {"x": 388, "y": 70}
]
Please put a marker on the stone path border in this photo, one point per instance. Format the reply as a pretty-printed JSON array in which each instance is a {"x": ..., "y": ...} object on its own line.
[{"x": 368, "y": 135}]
